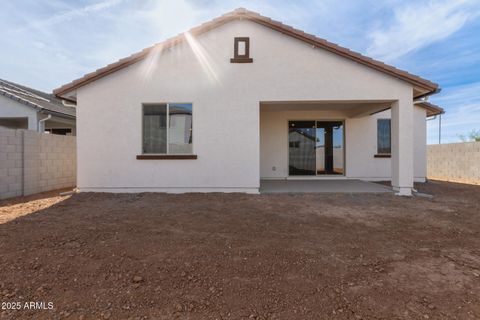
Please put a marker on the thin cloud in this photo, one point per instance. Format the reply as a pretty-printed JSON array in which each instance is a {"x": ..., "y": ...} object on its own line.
[
  {"x": 462, "y": 105},
  {"x": 70, "y": 14},
  {"x": 416, "y": 26}
]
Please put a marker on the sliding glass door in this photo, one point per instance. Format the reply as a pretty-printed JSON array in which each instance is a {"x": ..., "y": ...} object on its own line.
[
  {"x": 329, "y": 147},
  {"x": 316, "y": 148},
  {"x": 301, "y": 146}
]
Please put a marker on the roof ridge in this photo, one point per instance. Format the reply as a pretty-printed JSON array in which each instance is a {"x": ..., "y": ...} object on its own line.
[
  {"x": 29, "y": 89},
  {"x": 13, "y": 95},
  {"x": 18, "y": 89}
]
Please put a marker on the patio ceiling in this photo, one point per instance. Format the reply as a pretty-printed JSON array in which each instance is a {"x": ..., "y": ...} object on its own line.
[{"x": 352, "y": 109}]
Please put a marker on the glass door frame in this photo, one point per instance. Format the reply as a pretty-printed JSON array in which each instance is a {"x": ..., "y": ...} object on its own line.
[{"x": 316, "y": 175}]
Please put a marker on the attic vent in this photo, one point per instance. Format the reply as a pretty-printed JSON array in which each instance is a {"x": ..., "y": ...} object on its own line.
[{"x": 241, "y": 50}]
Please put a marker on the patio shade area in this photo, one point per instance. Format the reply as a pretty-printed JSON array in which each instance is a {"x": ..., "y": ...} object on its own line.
[{"x": 322, "y": 186}]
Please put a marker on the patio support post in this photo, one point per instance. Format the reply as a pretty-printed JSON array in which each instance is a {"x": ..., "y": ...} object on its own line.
[{"x": 402, "y": 146}]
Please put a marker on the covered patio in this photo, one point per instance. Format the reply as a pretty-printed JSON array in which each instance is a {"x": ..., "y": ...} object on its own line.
[
  {"x": 337, "y": 139},
  {"x": 322, "y": 186}
]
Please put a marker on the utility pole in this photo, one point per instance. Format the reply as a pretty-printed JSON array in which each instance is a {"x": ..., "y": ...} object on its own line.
[{"x": 440, "y": 129}]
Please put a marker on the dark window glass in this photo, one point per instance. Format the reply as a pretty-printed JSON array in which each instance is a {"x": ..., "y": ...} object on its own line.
[
  {"x": 383, "y": 136},
  {"x": 59, "y": 131},
  {"x": 301, "y": 138},
  {"x": 180, "y": 128},
  {"x": 167, "y": 128},
  {"x": 329, "y": 147},
  {"x": 155, "y": 128}
]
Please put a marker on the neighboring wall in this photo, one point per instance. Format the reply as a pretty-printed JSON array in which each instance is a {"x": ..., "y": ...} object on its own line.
[
  {"x": 32, "y": 162},
  {"x": 10, "y": 109},
  {"x": 457, "y": 162}
]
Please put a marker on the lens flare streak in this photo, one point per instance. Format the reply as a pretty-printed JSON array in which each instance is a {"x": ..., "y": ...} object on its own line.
[
  {"x": 150, "y": 63},
  {"x": 206, "y": 62}
]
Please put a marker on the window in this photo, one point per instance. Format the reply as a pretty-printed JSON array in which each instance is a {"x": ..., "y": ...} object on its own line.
[
  {"x": 294, "y": 144},
  {"x": 60, "y": 131},
  {"x": 167, "y": 128},
  {"x": 241, "y": 50},
  {"x": 383, "y": 136}
]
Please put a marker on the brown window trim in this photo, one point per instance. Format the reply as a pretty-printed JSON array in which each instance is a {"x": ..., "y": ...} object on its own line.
[
  {"x": 167, "y": 157},
  {"x": 241, "y": 58},
  {"x": 383, "y": 155}
]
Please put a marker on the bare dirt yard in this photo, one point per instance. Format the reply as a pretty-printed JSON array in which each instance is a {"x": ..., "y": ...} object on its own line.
[{"x": 235, "y": 256}]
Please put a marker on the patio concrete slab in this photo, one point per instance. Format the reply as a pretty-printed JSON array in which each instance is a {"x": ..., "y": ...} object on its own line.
[{"x": 321, "y": 186}]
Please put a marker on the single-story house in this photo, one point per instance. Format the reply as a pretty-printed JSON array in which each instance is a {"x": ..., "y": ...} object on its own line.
[
  {"x": 243, "y": 98},
  {"x": 26, "y": 108}
]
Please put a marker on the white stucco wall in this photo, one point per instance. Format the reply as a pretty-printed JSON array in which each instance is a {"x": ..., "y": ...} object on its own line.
[
  {"x": 226, "y": 112},
  {"x": 420, "y": 144},
  {"x": 13, "y": 109},
  {"x": 360, "y": 144}
]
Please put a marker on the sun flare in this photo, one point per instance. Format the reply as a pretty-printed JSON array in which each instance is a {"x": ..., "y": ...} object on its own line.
[{"x": 205, "y": 60}]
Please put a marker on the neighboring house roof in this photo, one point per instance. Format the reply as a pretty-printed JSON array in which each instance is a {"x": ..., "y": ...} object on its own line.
[
  {"x": 432, "y": 109},
  {"x": 424, "y": 86},
  {"x": 304, "y": 134},
  {"x": 41, "y": 101}
]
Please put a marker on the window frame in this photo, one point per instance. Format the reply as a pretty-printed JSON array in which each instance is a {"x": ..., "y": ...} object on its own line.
[
  {"x": 241, "y": 58},
  {"x": 383, "y": 154},
  {"x": 167, "y": 154}
]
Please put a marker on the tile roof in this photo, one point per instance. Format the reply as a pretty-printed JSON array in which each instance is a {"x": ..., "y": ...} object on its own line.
[
  {"x": 432, "y": 109},
  {"x": 242, "y": 13},
  {"x": 42, "y": 101}
]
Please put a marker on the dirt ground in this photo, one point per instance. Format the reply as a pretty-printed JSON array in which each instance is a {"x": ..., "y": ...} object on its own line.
[{"x": 236, "y": 256}]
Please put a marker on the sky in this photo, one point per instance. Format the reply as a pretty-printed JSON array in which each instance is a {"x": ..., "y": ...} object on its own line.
[{"x": 48, "y": 43}]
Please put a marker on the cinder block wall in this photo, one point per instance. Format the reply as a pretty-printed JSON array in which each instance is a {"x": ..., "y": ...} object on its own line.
[
  {"x": 456, "y": 162},
  {"x": 32, "y": 162},
  {"x": 11, "y": 151}
]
